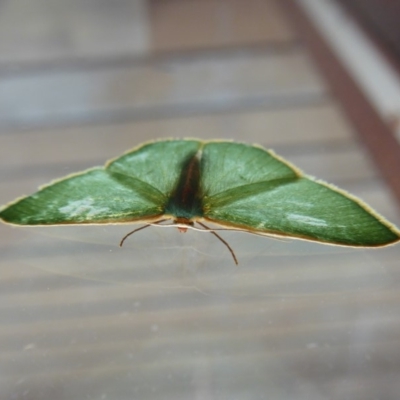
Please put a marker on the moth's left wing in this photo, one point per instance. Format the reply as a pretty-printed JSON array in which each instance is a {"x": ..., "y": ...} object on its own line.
[
  {"x": 93, "y": 196},
  {"x": 132, "y": 187}
]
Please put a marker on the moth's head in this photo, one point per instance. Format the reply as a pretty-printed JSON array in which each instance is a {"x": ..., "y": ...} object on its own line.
[{"x": 181, "y": 221}]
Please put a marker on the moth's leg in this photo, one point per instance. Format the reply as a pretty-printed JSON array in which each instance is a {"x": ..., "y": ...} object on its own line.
[
  {"x": 139, "y": 229},
  {"x": 222, "y": 240}
]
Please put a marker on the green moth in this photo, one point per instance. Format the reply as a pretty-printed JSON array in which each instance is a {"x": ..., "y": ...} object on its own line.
[{"x": 234, "y": 185}]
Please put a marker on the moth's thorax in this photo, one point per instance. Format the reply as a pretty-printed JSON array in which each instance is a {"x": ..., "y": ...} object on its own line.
[{"x": 185, "y": 202}]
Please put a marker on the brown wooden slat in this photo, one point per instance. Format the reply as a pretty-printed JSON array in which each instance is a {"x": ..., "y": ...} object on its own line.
[
  {"x": 42, "y": 30},
  {"x": 382, "y": 17},
  {"x": 168, "y": 88},
  {"x": 190, "y": 24},
  {"x": 385, "y": 48},
  {"x": 300, "y": 131}
]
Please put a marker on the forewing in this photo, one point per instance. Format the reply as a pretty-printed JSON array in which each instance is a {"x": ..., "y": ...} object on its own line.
[
  {"x": 228, "y": 165},
  {"x": 302, "y": 208},
  {"x": 158, "y": 164},
  {"x": 93, "y": 196}
]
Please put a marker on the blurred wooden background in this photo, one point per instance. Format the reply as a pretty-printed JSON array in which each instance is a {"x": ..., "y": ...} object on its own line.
[{"x": 83, "y": 81}]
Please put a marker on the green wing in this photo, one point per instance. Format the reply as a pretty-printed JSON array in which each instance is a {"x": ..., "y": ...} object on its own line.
[
  {"x": 265, "y": 194},
  {"x": 132, "y": 187},
  {"x": 158, "y": 164},
  {"x": 93, "y": 196}
]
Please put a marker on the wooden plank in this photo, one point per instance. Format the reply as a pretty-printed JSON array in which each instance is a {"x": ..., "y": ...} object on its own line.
[
  {"x": 182, "y": 330},
  {"x": 292, "y": 276},
  {"x": 190, "y": 24},
  {"x": 37, "y": 31},
  {"x": 286, "y": 130},
  {"x": 59, "y": 360},
  {"x": 163, "y": 88}
]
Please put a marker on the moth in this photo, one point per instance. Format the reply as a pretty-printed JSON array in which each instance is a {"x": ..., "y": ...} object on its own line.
[{"x": 188, "y": 181}]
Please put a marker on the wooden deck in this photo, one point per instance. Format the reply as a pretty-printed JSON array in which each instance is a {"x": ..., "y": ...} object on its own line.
[{"x": 169, "y": 316}]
